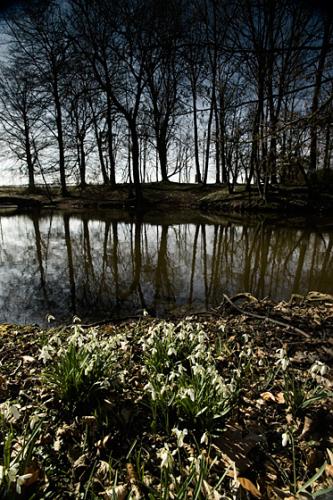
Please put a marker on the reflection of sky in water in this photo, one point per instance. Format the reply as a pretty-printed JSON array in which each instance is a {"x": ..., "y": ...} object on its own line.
[{"x": 109, "y": 269}]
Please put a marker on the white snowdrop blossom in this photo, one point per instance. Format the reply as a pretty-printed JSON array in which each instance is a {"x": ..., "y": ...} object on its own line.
[
  {"x": 10, "y": 411},
  {"x": 197, "y": 370},
  {"x": 180, "y": 435},
  {"x": 281, "y": 353},
  {"x": 166, "y": 457},
  {"x": 187, "y": 393},
  {"x": 204, "y": 438},
  {"x": 150, "y": 388},
  {"x": 285, "y": 439},
  {"x": 171, "y": 351},
  {"x": 319, "y": 367},
  {"x": 173, "y": 375},
  {"x": 12, "y": 472},
  {"x": 246, "y": 337},
  {"x": 284, "y": 362},
  {"x": 45, "y": 354},
  {"x": 20, "y": 482}
]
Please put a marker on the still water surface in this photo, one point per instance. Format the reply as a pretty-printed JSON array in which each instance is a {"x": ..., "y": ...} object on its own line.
[{"x": 72, "y": 264}]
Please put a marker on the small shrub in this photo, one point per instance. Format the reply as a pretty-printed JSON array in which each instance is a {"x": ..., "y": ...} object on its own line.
[
  {"x": 183, "y": 382},
  {"x": 80, "y": 371}
]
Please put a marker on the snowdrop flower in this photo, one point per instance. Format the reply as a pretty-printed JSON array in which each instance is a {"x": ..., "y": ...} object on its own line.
[
  {"x": 171, "y": 351},
  {"x": 124, "y": 345},
  {"x": 180, "y": 369},
  {"x": 188, "y": 393},
  {"x": 285, "y": 439},
  {"x": 246, "y": 337},
  {"x": 12, "y": 473},
  {"x": 44, "y": 354},
  {"x": 172, "y": 376},
  {"x": 204, "y": 438},
  {"x": 284, "y": 362},
  {"x": 20, "y": 482},
  {"x": 166, "y": 457},
  {"x": 197, "y": 370},
  {"x": 1, "y": 473},
  {"x": 180, "y": 436},
  {"x": 281, "y": 353},
  {"x": 149, "y": 387},
  {"x": 10, "y": 411},
  {"x": 319, "y": 367}
]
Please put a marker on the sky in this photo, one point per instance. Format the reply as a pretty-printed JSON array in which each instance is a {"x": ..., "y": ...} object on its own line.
[{"x": 6, "y": 4}]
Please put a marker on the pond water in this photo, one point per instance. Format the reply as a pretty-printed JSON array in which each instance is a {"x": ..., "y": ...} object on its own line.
[{"x": 96, "y": 266}]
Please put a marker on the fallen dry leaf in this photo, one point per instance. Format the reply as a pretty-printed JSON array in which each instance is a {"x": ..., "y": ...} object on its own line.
[
  {"x": 249, "y": 486},
  {"x": 329, "y": 470},
  {"x": 307, "y": 426},
  {"x": 267, "y": 396},
  {"x": 133, "y": 479},
  {"x": 116, "y": 492},
  {"x": 279, "y": 397}
]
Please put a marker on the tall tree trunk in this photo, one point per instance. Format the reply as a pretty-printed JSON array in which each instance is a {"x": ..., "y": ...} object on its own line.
[
  {"x": 162, "y": 154},
  {"x": 195, "y": 128},
  {"x": 110, "y": 142},
  {"x": 30, "y": 164},
  {"x": 209, "y": 129},
  {"x": 82, "y": 161},
  {"x": 217, "y": 142},
  {"x": 99, "y": 142},
  {"x": 135, "y": 162},
  {"x": 60, "y": 139},
  {"x": 316, "y": 93},
  {"x": 225, "y": 176}
]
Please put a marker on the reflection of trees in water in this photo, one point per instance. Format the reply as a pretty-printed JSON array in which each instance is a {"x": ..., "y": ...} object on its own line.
[{"x": 68, "y": 265}]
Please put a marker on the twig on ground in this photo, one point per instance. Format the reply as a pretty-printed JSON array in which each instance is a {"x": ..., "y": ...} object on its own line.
[{"x": 267, "y": 318}]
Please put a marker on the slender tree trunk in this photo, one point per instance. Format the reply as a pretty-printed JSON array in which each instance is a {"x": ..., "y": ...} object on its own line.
[
  {"x": 254, "y": 149},
  {"x": 135, "y": 162},
  {"x": 29, "y": 155},
  {"x": 316, "y": 93},
  {"x": 225, "y": 176},
  {"x": 60, "y": 139},
  {"x": 209, "y": 129},
  {"x": 162, "y": 155},
  {"x": 110, "y": 142},
  {"x": 217, "y": 142},
  {"x": 82, "y": 161},
  {"x": 195, "y": 128}
]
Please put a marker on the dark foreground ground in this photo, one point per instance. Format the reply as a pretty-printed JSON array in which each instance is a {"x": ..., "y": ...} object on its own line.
[
  {"x": 231, "y": 404},
  {"x": 171, "y": 196}
]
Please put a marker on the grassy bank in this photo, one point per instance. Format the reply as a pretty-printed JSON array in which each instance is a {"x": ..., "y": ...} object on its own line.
[
  {"x": 225, "y": 405},
  {"x": 161, "y": 196}
]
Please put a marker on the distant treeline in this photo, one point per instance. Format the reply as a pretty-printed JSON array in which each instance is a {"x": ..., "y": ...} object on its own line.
[{"x": 144, "y": 90}]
